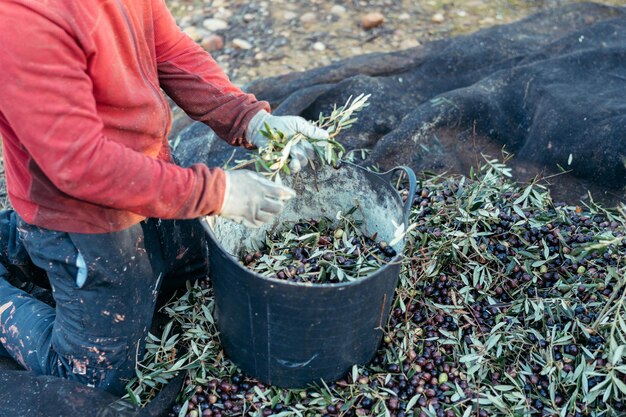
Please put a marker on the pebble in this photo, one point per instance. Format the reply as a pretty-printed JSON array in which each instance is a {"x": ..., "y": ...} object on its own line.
[
  {"x": 319, "y": 46},
  {"x": 372, "y": 20},
  {"x": 198, "y": 17},
  {"x": 193, "y": 33},
  {"x": 241, "y": 44},
  {"x": 338, "y": 10},
  {"x": 223, "y": 14},
  {"x": 404, "y": 16},
  {"x": 438, "y": 18},
  {"x": 248, "y": 17},
  {"x": 409, "y": 43},
  {"x": 289, "y": 15},
  {"x": 214, "y": 25},
  {"x": 308, "y": 18},
  {"x": 356, "y": 50},
  {"x": 212, "y": 43}
]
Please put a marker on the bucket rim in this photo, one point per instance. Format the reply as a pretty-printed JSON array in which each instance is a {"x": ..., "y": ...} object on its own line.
[
  {"x": 397, "y": 260},
  {"x": 385, "y": 177}
]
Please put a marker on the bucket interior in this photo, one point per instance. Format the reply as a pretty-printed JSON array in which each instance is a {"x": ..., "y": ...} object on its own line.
[{"x": 324, "y": 192}]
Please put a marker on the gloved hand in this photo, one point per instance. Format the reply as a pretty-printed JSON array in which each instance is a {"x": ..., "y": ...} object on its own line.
[
  {"x": 302, "y": 151},
  {"x": 252, "y": 200}
]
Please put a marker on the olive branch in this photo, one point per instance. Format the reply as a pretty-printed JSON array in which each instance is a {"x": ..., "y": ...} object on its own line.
[{"x": 273, "y": 159}]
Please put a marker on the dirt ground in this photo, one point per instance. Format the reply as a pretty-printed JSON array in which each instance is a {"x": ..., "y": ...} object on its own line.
[{"x": 282, "y": 36}]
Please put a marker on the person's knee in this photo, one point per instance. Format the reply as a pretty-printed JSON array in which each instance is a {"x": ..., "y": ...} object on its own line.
[
  {"x": 14, "y": 255},
  {"x": 111, "y": 377},
  {"x": 115, "y": 380},
  {"x": 106, "y": 363}
]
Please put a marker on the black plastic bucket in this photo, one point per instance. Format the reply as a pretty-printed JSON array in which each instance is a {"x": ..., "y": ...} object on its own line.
[{"x": 293, "y": 334}]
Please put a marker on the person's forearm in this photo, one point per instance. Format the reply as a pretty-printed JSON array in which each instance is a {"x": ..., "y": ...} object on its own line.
[
  {"x": 199, "y": 87},
  {"x": 109, "y": 174},
  {"x": 191, "y": 77}
]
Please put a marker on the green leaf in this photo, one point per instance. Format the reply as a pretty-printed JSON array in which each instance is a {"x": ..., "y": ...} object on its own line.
[
  {"x": 412, "y": 402},
  {"x": 184, "y": 409},
  {"x": 617, "y": 354},
  {"x": 524, "y": 196},
  {"x": 504, "y": 388},
  {"x": 619, "y": 384}
]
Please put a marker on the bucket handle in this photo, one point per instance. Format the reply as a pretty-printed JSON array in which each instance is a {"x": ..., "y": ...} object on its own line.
[{"x": 387, "y": 176}]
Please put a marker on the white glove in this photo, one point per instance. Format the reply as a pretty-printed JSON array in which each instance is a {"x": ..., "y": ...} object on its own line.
[
  {"x": 252, "y": 200},
  {"x": 302, "y": 151}
]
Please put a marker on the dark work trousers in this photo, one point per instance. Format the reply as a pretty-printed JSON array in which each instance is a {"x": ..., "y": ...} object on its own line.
[{"x": 104, "y": 286}]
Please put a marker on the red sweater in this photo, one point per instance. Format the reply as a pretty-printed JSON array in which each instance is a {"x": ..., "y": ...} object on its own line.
[{"x": 84, "y": 123}]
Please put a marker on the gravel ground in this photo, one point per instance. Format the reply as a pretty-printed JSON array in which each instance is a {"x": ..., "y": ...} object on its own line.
[{"x": 252, "y": 39}]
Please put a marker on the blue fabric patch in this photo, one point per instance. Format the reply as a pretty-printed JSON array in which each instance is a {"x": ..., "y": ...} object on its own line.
[{"x": 81, "y": 276}]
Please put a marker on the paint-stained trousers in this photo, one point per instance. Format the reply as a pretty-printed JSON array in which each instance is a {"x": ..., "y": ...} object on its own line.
[{"x": 105, "y": 288}]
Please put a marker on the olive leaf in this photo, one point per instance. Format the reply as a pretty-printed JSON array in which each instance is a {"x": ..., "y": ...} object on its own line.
[{"x": 273, "y": 158}]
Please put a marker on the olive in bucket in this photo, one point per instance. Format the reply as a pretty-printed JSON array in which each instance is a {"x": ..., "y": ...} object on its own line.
[
  {"x": 290, "y": 331},
  {"x": 326, "y": 250}
]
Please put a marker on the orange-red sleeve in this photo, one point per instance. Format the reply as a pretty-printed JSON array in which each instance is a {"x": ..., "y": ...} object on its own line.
[
  {"x": 47, "y": 99},
  {"x": 192, "y": 78}
]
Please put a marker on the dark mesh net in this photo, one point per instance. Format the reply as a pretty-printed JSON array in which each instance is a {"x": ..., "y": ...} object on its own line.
[
  {"x": 550, "y": 88},
  {"x": 26, "y": 394}
]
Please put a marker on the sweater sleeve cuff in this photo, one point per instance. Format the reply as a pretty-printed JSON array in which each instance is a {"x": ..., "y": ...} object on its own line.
[
  {"x": 207, "y": 196},
  {"x": 246, "y": 139},
  {"x": 218, "y": 193}
]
